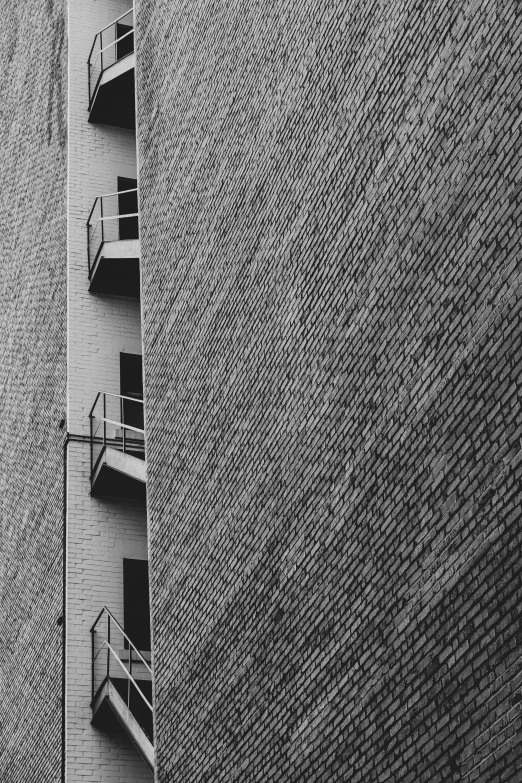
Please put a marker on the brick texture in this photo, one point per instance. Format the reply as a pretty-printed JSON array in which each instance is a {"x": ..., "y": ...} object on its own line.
[
  {"x": 330, "y": 222},
  {"x": 33, "y": 152},
  {"x": 101, "y": 532}
]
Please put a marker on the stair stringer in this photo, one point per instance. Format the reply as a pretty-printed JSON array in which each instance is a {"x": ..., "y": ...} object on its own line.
[{"x": 108, "y": 695}]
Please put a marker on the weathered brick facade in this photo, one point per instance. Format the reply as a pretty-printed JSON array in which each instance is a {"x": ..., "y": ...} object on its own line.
[
  {"x": 33, "y": 281},
  {"x": 330, "y": 221}
]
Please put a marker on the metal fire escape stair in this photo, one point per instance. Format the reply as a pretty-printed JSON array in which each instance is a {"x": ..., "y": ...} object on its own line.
[
  {"x": 121, "y": 685},
  {"x": 109, "y": 698},
  {"x": 118, "y": 465}
]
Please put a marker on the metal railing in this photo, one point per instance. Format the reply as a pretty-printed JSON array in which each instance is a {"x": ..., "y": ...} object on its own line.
[
  {"x": 109, "y": 221},
  {"x": 112, "y": 43},
  {"x": 116, "y": 420},
  {"x": 116, "y": 658}
]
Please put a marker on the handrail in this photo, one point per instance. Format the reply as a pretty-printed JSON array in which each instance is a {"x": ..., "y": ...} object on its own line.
[
  {"x": 129, "y": 675},
  {"x": 94, "y": 405},
  {"x": 117, "y": 193},
  {"x": 121, "y": 424},
  {"x": 107, "y": 611},
  {"x": 109, "y": 195},
  {"x": 121, "y": 396},
  {"x": 89, "y": 62},
  {"x": 112, "y": 43},
  {"x": 114, "y": 21},
  {"x": 111, "y": 394},
  {"x": 115, "y": 217},
  {"x": 92, "y": 210}
]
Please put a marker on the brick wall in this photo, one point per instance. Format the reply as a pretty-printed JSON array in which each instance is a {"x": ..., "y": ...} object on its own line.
[
  {"x": 330, "y": 222},
  {"x": 33, "y": 56}
]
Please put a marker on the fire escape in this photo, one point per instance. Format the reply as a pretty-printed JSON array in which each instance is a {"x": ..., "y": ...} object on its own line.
[
  {"x": 121, "y": 666},
  {"x": 118, "y": 467},
  {"x": 113, "y": 244},
  {"x": 121, "y": 684},
  {"x": 112, "y": 62}
]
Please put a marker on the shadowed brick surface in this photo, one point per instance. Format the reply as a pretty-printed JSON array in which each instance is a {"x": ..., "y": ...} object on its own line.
[
  {"x": 33, "y": 54},
  {"x": 330, "y": 222}
]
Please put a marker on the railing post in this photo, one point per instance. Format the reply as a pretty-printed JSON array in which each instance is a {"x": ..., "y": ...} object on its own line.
[
  {"x": 130, "y": 671},
  {"x": 109, "y": 641},
  {"x": 89, "y": 69},
  {"x": 92, "y": 444},
  {"x": 101, "y": 221},
  {"x": 115, "y": 44},
  {"x": 92, "y": 663},
  {"x": 122, "y": 417},
  {"x": 88, "y": 249},
  {"x": 104, "y": 420}
]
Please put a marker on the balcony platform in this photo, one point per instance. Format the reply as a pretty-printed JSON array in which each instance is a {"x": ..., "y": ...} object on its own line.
[
  {"x": 119, "y": 474},
  {"x": 116, "y": 270},
  {"x": 113, "y": 101}
]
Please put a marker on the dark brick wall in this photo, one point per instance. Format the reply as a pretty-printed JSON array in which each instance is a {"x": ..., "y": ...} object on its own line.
[
  {"x": 330, "y": 215},
  {"x": 33, "y": 54}
]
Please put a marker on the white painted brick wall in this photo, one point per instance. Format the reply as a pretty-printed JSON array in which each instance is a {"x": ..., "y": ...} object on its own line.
[
  {"x": 100, "y": 533},
  {"x": 99, "y": 326}
]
